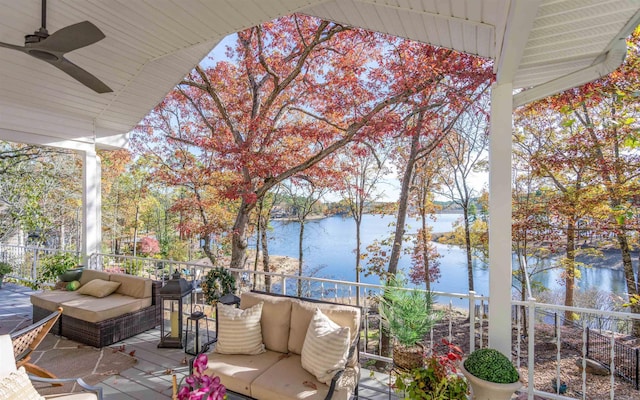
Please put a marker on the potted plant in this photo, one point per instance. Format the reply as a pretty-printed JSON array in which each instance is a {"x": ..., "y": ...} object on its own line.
[
  {"x": 491, "y": 375},
  {"x": 5, "y": 269},
  {"x": 54, "y": 266},
  {"x": 198, "y": 385},
  {"x": 408, "y": 316},
  {"x": 438, "y": 379}
]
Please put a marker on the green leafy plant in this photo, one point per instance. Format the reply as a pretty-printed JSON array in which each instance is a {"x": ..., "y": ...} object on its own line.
[
  {"x": 5, "y": 268},
  {"x": 52, "y": 266},
  {"x": 438, "y": 379},
  {"x": 217, "y": 283},
  {"x": 407, "y": 315},
  {"x": 491, "y": 365}
]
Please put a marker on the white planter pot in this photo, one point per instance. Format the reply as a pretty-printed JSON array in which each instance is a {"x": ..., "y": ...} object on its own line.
[{"x": 485, "y": 390}]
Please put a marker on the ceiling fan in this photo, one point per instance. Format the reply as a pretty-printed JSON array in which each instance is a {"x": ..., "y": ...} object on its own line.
[{"x": 51, "y": 48}]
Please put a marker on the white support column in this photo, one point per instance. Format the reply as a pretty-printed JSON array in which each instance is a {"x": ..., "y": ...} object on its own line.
[
  {"x": 91, "y": 207},
  {"x": 500, "y": 218}
]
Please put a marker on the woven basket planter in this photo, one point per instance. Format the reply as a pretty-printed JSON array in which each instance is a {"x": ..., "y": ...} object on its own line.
[{"x": 408, "y": 358}]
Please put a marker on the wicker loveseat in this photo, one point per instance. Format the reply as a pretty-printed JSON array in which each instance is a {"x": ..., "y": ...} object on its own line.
[
  {"x": 281, "y": 368},
  {"x": 132, "y": 308}
]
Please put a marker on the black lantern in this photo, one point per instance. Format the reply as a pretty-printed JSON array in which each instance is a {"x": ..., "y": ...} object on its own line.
[
  {"x": 175, "y": 298},
  {"x": 192, "y": 343}
]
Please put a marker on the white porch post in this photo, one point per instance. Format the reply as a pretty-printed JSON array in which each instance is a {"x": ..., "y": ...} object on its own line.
[
  {"x": 91, "y": 208},
  {"x": 500, "y": 218}
]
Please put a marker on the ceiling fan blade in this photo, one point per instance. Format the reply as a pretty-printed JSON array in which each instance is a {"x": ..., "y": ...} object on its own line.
[
  {"x": 12, "y": 46},
  {"x": 81, "y": 75},
  {"x": 70, "y": 38}
]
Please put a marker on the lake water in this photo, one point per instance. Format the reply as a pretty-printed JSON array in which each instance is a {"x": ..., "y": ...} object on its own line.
[{"x": 329, "y": 243}]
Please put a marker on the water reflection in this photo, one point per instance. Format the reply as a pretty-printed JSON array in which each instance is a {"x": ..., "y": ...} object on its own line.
[{"x": 329, "y": 245}]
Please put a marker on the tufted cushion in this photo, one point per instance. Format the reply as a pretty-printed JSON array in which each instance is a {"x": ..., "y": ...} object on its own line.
[
  {"x": 17, "y": 386},
  {"x": 99, "y": 288},
  {"x": 239, "y": 330},
  {"x": 325, "y": 347}
]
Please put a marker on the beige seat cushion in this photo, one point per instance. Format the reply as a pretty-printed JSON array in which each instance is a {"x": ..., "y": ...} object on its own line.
[
  {"x": 17, "y": 386},
  {"x": 134, "y": 286},
  {"x": 276, "y": 315},
  {"x": 93, "y": 309},
  {"x": 272, "y": 384},
  {"x": 52, "y": 299},
  {"x": 239, "y": 330},
  {"x": 325, "y": 348},
  {"x": 237, "y": 371},
  {"x": 99, "y": 288},
  {"x": 302, "y": 312},
  {"x": 73, "y": 396},
  {"x": 91, "y": 274}
]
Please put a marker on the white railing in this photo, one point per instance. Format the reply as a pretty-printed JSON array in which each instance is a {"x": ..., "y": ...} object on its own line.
[{"x": 536, "y": 326}]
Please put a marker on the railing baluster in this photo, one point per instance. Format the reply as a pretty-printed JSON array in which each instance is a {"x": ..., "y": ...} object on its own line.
[
  {"x": 613, "y": 362},
  {"x": 472, "y": 321},
  {"x": 558, "y": 358},
  {"x": 585, "y": 350},
  {"x": 531, "y": 303}
]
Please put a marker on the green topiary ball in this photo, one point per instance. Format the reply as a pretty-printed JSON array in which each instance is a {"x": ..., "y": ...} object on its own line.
[
  {"x": 492, "y": 366},
  {"x": 73, "y": 285}
]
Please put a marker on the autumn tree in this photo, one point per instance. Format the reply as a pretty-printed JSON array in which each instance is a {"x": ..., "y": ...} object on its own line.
[
  {"x": 465, "y": 153},
  {"x": 558, "y": 155},
  {"x": 40, "y": 195},
  {"x": 363, "y": 167},
  {"x": 304, "y": 194},
  {"x": 433, "y": 115},
  {"x": 424, "y": 255},
  {"x": 605, "y": 114},
  {"x": 294, "y": 91}
]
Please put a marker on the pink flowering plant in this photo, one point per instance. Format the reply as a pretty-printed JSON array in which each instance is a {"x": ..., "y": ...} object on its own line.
[{"x": 199, "y": 386}]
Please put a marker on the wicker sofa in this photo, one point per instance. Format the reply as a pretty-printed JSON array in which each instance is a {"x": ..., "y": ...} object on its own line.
[
  {"x": 133, "y": 308},
  {"x": 279, "y": 371}
]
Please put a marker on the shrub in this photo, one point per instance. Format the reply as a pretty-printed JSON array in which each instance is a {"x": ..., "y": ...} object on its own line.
[
  {"x": 54, "y": 265},
  {"x": 492, "y": 366},
  {"x": 5, "y": 268}
]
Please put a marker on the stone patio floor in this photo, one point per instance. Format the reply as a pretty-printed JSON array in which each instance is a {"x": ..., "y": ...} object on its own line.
[{"x": 150, "y": 378}]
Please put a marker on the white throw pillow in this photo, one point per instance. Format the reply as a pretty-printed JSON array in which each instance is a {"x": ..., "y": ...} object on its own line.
[
  {"x": 239, "y": 331},
  {"x": 17, "y": 386},
  {"x": 325, "y": 347}
]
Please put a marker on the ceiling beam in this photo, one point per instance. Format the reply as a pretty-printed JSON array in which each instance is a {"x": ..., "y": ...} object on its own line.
[
  {"x": 610, "y": 59},
  {"x": 522, "y": 14},
  {"x": 10, "y": 135}
]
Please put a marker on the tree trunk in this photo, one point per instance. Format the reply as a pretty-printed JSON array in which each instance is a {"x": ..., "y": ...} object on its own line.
[
  {"x": 265, "y": 255},
  {"x": 425, "y": 250},
  {"x": 135, "y": 232},
  {"x": 467, "y": 243},
  {"x": 206, "y": 247},
  {"x": 630, "y": 278},
  {"x": 403, "y": 203},
  {"x": 239, "y": 241},
  {"x": 570, "y": 270},
  {"x": 300, "y": 255}
]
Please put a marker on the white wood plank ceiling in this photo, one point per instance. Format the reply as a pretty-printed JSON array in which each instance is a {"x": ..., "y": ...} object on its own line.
[{"x": 151, "y": 44}]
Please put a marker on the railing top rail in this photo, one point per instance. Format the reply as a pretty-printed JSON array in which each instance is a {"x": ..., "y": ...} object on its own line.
[
  {"x": 289, "y": 276},
  {"x": 593, "y": 311}
]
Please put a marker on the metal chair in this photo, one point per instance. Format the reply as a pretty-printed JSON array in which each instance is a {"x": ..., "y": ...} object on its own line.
[
  {"x": 26, "y": 340},
  {"x": 90, "y": 392}
]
